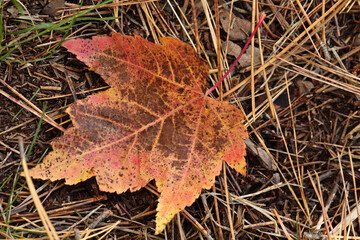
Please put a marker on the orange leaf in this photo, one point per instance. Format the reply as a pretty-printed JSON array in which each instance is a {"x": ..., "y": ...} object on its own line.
[{"x": 154, "y": 122}]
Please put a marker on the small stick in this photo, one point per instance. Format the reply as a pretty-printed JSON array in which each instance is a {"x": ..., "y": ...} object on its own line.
[
  {"x": 100, "y": 218},
  {"x": 196, "y": 223},
  {"x": 50, "y": 88},
  {"x": 71, "y": 85},
  {"x": 47, "y": 77},
  {"x": 7, "y": 146}
]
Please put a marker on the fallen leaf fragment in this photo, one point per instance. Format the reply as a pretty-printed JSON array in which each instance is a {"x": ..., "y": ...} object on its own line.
[
  {"x": 305, "y": 87},
  {"x": 263, "y": 156},
  {"x": 234, "y": 50},
  {"x": 155, "y": 122},
  {"x": 14, "y": 12},
  {"x": 53, "y": 7},
  {"x": 238, "y": 29}
]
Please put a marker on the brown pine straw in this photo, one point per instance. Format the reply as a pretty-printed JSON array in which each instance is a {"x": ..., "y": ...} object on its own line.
[
  {"x": 49, "y": 228},
  {"x": 282, "y": 225},
  {"x": 321, "y": 201},
  {"x": 329, "y": 14}
]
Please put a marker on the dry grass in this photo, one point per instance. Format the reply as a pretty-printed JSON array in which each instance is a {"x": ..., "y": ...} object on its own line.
[{"x": 302, "y": 107}]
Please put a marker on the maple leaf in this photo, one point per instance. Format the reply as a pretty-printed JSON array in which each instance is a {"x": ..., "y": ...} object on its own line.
[{"x": 154, "y": 122}]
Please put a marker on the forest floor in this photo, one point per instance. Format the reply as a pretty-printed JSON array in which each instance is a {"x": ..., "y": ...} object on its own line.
[{"x": 300, "y": 93}]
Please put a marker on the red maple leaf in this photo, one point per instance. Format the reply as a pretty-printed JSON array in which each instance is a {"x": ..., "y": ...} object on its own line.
[{"x": 154, "y": 122}]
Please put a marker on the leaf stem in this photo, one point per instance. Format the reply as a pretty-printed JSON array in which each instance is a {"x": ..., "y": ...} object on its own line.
[{"x": 238, "y": 58}]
